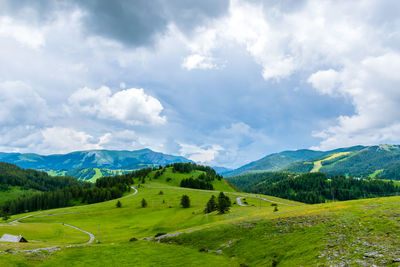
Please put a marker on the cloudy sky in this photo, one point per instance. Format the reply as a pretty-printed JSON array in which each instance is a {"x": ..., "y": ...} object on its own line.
[{"x": 221, "y": 82}]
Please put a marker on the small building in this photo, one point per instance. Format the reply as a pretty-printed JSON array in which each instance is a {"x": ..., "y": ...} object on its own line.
[{"x": 13, "y": 238}]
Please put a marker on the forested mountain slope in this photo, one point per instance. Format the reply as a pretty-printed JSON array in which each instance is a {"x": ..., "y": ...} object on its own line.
[
  {"x": 382, "y": 161},
  {"x": 105, "y": 159}
]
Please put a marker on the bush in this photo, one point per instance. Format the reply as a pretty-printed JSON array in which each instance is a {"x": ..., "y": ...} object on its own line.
[{"x": 160, "y": 234}]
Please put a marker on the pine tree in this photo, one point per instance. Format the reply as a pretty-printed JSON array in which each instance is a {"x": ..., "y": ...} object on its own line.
[
  {"x": 185, "y": 201},
  {"x": 144, "y": 203},
  {"x": 5, "y": 216},
  {"x": 119, "y": 205},
  {"x": 223, "y": 203},
  {"x": 211, "y": 205}
]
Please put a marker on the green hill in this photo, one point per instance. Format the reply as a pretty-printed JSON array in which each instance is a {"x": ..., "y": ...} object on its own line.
[
  {"x": 275, "y": 162},
  {"x": 354, "y": 233},
  {"x": 381, "y": 161}
]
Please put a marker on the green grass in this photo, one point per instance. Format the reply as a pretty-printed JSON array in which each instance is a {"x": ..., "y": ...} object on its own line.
[
  {"x": 14, "y": 192},
  {"x": 175, "y": 178},
  {"x": 97, "y": 175},
  {"x": 56, "y": 172},
  {"x": 337, "y": 233},
  {"x": 326, "y": 234},
  {"x": 375, "y": 173},
  {"x": 139, "y": 253},
  {"x": 41, "y": 235},
  {"x": 318, "y": 163}
]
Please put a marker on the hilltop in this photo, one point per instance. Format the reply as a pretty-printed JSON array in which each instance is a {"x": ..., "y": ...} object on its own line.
[{"x": 381, "y": 161}]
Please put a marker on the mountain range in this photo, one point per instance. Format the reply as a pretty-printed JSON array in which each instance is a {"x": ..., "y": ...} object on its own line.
[
  {"x": 359, "y": 161},
  {"x": 104, "y": 159}
]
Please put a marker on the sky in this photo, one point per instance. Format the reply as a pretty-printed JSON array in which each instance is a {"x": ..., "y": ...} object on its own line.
[{"x": 220, "y": 82}]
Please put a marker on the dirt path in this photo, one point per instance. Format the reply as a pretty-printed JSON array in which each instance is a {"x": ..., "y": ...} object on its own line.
[
  {"x": 91, "y": 235},
  {"x": 239, "y": 202},
  {"x": 92, "y": 238}
]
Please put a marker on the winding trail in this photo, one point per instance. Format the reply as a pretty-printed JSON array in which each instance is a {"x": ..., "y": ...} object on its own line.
[
  {"x": 239, "y": 202},
  {"x": 91, "y": 235},
  {"x": 241, "y": 195}
]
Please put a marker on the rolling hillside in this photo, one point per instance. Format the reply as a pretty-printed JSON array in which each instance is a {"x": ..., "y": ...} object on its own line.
[
  {"x": 276, "y": 161},
  {"x": 381, "y": 161},
  {"x": 352, "y": 233}
]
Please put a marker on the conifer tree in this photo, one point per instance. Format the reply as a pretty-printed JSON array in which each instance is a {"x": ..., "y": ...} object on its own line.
[
  {"x": 211, "y": 205},
  {"x": 144, "y": 203},
  {"x": 185, "y": 201},
  {"x": 223, "y": 203}
]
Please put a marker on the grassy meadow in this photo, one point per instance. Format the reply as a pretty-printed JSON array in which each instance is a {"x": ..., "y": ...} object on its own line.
[{"x": 356, "y": 233}]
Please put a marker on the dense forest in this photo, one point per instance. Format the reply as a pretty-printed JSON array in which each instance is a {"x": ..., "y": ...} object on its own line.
[
  {"x": 245, "y": 180},
  {"x": 61, "y": 191},
  {"x": 189, "y": 167},
  {"x": 12, "y": 175},
  {"x": 197, "y": 184},
  {"x": 317, "y": 188},
  {"x": 203, "y": 181}
]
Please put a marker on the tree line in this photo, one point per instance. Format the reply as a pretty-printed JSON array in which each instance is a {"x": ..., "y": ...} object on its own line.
[
  {"x": 12, "y": 175},
  {"x": 62, "y": 194},
  {"x": 318, "y": 188},
  {"x": 196, "y": 183},
  {"x": 210, "y": 173}
]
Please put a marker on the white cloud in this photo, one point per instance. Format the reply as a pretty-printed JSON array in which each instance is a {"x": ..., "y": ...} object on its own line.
[
  {"x": 372, "y": 86},
  {"x": 63, "y": 140},
  {"x": 241, "y": 144},
  {"x": 24, "y": 34},
  {"x": 21, "y": 104},
  {"x": 311, "y": 35},
  {"x": 203, "y": 154},
  {"x": 228, "y": 146},
  {"x": 325, "y": 81},
  {"x": 199, "y": 62},
  {"x": 131, "y": 106}
]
